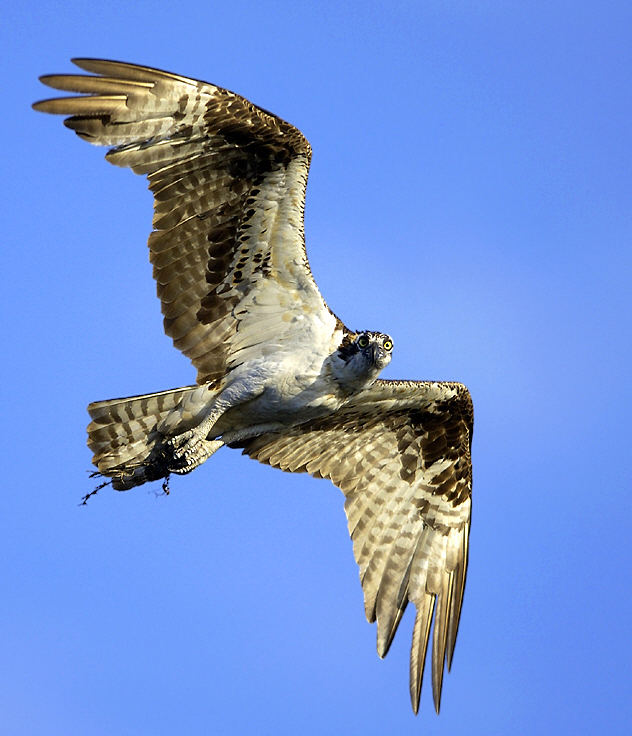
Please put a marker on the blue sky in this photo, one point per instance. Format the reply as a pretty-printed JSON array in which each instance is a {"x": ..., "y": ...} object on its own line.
[{"x": 470, "y": 194}]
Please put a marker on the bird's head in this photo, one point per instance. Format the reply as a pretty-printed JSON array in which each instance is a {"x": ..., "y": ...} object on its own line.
[{"x": 364, "y": 355}]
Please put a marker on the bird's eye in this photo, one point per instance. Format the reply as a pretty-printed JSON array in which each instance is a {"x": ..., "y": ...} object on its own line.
[
  {"x": 363, "y": 341},
  {"x": 388, "y": 345}
]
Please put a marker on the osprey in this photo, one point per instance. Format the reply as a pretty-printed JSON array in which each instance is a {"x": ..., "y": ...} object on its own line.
[{"x": 278, "y": 374}]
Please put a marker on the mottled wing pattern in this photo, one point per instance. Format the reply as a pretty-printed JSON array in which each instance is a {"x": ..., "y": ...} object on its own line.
[
  {"x": 400, "y": 452},
  {"x": 228, "y": 180}
]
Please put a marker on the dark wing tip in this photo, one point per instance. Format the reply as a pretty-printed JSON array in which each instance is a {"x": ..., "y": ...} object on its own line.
[
  {"x": 130, "y": 72},
  {"x": 79, "y": 60}
]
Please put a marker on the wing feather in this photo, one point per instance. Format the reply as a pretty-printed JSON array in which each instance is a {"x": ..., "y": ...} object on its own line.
[
  {"x": 421, "y": 634},
  {"x": 228, "y": 180},
  {"x": 400, "y": 452}
]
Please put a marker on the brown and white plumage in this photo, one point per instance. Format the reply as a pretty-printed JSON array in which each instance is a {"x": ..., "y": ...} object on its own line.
[
  {"x": 278, "y": 374},
  {"x": 228, "y": 179},
  {"x": 400, "y": 452}
]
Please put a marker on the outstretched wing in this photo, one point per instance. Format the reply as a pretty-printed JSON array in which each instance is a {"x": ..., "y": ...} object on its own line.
[
  {"x": 228, "y": 180},
  {"x": 400, "y": 452}
]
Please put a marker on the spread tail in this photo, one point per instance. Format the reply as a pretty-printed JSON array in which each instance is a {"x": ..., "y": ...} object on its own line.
[{"x": 128, "y": 436}]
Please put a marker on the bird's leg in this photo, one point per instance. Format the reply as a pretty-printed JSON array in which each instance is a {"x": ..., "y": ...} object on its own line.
[
  {"x": 192, "y": 447},
  {"x": 195, "y": 435},
  {"x": 189, "y": 455},
  {"x": 239, "y": 435}
]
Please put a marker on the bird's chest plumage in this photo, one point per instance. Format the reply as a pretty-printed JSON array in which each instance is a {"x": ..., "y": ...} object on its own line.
[
  {"x": 290, "y": 390},
  {"x": 288, "y": 381}
]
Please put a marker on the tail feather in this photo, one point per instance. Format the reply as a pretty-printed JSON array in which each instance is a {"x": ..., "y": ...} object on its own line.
[{"x": 127, "y": 435}]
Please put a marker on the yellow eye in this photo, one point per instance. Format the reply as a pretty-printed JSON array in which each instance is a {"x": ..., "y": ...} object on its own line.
[
  {"x": 388, "y": 345},
  {"x": 363, "y": 341}
]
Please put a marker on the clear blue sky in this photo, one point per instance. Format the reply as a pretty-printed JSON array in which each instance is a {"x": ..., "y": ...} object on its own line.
[{"x": 471, "y": 195}]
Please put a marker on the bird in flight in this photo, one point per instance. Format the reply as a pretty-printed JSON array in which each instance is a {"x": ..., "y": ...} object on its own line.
[{"x": 279, "y": 375}]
